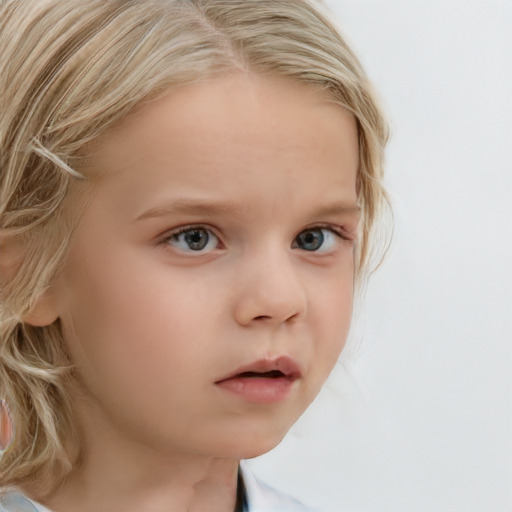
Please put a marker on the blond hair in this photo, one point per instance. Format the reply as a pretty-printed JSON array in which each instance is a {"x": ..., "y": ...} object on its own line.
[{"x": 71, "y": 69}]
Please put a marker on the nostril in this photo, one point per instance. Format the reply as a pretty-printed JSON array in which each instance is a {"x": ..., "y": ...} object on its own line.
[{"x": 265, "y": 307}]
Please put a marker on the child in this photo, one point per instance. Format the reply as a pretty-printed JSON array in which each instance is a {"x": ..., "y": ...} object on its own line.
[{"x": 188, "y": 194}]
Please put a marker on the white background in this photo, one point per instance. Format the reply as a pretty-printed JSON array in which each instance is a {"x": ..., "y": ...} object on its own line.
[{"x": 419, "y": 419}]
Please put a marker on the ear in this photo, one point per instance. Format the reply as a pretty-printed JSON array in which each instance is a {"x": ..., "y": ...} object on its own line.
[
  {"x": 10, "y": 256},
  {"x": 44, "y": 311}
]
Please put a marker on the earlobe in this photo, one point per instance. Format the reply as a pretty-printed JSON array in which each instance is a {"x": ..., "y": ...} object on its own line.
[{"x": 43, "y": 313}]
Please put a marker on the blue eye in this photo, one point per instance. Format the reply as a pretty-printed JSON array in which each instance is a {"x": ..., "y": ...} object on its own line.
[
  {"x": 316, "y": 240},
  {"x": 194, "y": 239}
]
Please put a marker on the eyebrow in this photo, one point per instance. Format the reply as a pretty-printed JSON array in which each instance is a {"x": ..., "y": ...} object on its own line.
[
  {"x": 192, "y": 206},
  {"x": 202, "y": 207}
]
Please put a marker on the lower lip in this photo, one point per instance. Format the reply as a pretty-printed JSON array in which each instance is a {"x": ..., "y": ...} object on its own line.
[{"x": 259, "y": 390}]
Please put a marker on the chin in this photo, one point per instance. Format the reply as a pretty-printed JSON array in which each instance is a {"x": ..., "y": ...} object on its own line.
[
  {"x": 259, "y": 448},
  {"x": 251, "y": 442}
]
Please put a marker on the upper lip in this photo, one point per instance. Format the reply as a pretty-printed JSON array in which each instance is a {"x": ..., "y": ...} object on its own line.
[{"x": 284, "y": 364}]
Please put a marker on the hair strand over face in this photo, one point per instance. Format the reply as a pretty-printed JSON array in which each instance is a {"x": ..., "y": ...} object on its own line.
[{"x": 70, "y": 70}]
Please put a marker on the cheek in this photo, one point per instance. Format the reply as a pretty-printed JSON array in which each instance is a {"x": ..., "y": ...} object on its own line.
[
  {"x": 332, "y": 315},
  {"x": 128, "y": 321}
]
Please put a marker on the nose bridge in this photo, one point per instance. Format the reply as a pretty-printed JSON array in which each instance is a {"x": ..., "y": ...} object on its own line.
[{"x": 271, "y": 289}]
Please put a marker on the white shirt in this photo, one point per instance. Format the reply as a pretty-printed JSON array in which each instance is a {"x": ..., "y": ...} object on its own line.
[
  {"x": 263, "y": 498},
  {"x": 260, "y": 498}
]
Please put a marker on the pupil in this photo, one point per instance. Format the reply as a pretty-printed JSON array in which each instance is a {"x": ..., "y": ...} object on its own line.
[
  {"x": 196, "y": 239},
  {"x": 311, "y": 240}
]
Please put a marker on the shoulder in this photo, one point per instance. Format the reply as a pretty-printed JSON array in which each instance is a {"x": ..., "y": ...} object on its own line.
[
  {"x": 14, "y": 501},
  {"x": 261, "y": 497}
]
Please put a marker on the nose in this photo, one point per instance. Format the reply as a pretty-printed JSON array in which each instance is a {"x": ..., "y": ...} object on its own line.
[{"x": 270, "y": 291}]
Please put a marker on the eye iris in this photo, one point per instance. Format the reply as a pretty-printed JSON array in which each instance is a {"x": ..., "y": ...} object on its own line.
[
  {"x": 196, "y": 239},
  {"x": 311, "y": 240}
]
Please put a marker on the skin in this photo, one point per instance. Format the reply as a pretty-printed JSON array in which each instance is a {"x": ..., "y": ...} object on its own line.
[
  {"x": 6, "y": 427},
  {"x": 153, "y": 325}
]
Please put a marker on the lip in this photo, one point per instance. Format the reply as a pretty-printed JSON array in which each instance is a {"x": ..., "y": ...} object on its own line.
[{"x": 270, "y": 387}]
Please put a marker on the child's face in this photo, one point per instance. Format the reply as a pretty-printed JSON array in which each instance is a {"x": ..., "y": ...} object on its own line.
[{"x": 262, "y": 174}]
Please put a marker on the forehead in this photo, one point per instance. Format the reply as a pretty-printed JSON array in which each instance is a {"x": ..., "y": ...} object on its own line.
[
  {"x": 234, "y": 134},
  {"x": 229, "y": 111}
]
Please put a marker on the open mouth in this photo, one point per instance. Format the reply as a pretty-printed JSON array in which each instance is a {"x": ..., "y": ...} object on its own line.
[
  {"x": 273, "y": 374},
  {"x": 279, "y": 368},
  {"x": 263, "y": 381}
]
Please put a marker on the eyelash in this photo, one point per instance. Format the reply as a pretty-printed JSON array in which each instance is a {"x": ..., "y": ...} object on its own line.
[
  {"x": 337, "y": 231},
  {"x": 179, "y": 231}
]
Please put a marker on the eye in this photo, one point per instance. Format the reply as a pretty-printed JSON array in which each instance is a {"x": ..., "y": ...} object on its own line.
[
  {"x": 321, "y": 240},
  {"x": 193, "y": 240}
]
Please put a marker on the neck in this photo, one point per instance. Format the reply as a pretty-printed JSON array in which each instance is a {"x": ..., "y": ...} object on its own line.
[
  {"x": 121, "y": 473},
  {"x": 191, "y": 487}
]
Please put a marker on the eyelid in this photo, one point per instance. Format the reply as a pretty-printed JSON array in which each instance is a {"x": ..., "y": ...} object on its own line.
[
  {"x": 168, "y": 235},
  {"x": 187, "y": 227},
  {"x": 341, "y": 231},
  {"x": 340, "y": 234}
]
